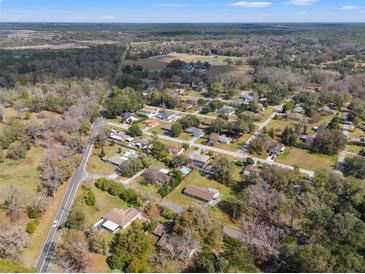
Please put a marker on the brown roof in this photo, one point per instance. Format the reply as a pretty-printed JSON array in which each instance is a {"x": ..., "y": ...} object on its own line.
[
  {"x": 214, "y": 137},
  {"x": 121, "y": 217},
  {"x": 150, "y": 122},
  {"x": 207, "y": 122},
  {"x": 159, "y": 230},
  {"x": 251, "y": 168},
  {"x": 294, "y": 116},
  {"x": 155, "y": 176},
  {"x": 276, "y": 147},
  {"x": 199, "y": 193},
  {"x": 174, "y": 149}
]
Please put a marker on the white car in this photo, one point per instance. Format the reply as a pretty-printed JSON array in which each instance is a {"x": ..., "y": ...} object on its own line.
[{"x": 55, "y": 222}]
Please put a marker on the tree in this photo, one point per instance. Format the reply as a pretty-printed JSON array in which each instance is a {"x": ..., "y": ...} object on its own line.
[
  {"x": 97, "y": 243},
  {"x": 176, "y": 129},
  {"x": 335, "y": 123},
  {"x": 16, "y": 151},
  {"x": 12, "y": 243},
  {"x": 72, "y": 255},
  {"x": 135, "y": 130},
  {"x": 206, "y": 262},
  {"x": 329, "y": 141},
  {"x": 189, "y": 121},
  {"x": 90, "y": 198},
  {"x": 13, "y": 204},
  {"x": 37, "y": 207},
  {"x": 130, "y": 251},
  {"x": 260, "y": 144},
  {"x": 222, "y": 168},
  {"x": 289, "y": 136},
  {"x": 355, "y": 166},
  {"x": 76, "y": 219}
]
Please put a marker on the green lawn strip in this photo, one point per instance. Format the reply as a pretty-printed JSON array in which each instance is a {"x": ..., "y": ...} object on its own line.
[{"x": 354, "y": 149}]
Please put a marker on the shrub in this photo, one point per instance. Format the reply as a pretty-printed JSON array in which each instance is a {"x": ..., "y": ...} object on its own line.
[
  {"x": 90, "y": 198},
  {"x": 32, "y": 226},
  {"x": 168, "y": 214},
  {"x": 35, "y": 211}
]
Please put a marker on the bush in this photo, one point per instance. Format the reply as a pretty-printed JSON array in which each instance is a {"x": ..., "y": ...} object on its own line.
[
  {"x": 168, "y": 214},
  {"x": 16, "y": 151},
  {"x": 116, "y": 189},
  {"x": 164, "y": 191},
  {"x": 35, "y": 212},
  {"x": 32, "y": 226},
  {"x": 90, "y": 198},
  {"x": 76, "y": 220}
]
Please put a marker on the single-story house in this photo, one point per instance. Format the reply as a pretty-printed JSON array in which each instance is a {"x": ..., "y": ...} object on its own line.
[
  {"x": 175, "y": 150},
  {"x": 295, "y": 116},
  {"x": 117, "y": 160},
  {"x": 226, "y": 111},
  {"x": 120, "y": 137},
  {"x": 319, "y": 128},
  {"x": 148, "y": 112},
  {"x": 131, "y": 154},
  {"x": 130, "y": 117},
  {"x": 151, "y": 123},
  {"x": 276, "y": 149},
  {"x": 216, "y": 138},
  {"x": 298, "y": 109},
  {"x": 169, "y": 117},
  {"x": 207, "y": 122},
  {"x": 166, "y": 128},
  {"x": 250, "y": 169},
  {"x": 120, "y": 219},
  {"x": 202, "y": 194},
  {"x": 327, "y": 110},
  {"x": 141, "y": 143},
  {"x": 198, "y": 160},
  {"x": 156, "y": 176},
  {"x": 195, "y": 132}
]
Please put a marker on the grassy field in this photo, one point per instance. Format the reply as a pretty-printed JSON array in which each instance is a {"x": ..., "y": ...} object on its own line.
[
  {"x": 217, "y": 62},
  {"x": 307, "y": 160},
  {"x": 266, "y": 114},
  {"x": 279, "y": 125},
  {"x": 23, "y": 174},
  {"x": 354, "y": 149},
  {"x": 357, "y": 133}
]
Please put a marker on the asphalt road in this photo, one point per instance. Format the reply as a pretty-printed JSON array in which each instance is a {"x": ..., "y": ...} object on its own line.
[{"x": 79, "y": 175}]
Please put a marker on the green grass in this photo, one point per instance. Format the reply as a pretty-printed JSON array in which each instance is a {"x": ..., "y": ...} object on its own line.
[
  {"x": 266, "y": 114},
  {"x": 144, "y": 187},
  {"x": 234, "y": 146},
  {"x": 306, "y": 160},
  {"x": 354, "y": 149},
  {"x": 23, "y": 174},
  {"x": 279, "y": 125}
]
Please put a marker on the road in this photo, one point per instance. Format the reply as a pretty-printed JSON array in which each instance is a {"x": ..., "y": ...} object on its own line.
[
  {"x": 79, "y": 175},
  {"x": 235, "y": 154}
]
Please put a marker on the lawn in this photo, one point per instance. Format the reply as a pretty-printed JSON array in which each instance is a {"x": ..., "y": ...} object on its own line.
[
  {"x": 195, "y": 178},
  {"x": 266, "y": 114},
  {"x": 104, "y": 203},
  {"x": 357, "y": 134},
  {"x": 279, "y": 125},
  {"x": 24, "y": 174},
  {"x": 354, "y": 149},
  {"x": 139, "y": 183},
  {"x": 234, "y": 146},
  {"x": 305, "y": 159},
  {"x": 325, "y": 120}
]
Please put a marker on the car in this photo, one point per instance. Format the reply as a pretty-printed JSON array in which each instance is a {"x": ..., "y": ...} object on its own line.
[{"x": 54, "y": 224}]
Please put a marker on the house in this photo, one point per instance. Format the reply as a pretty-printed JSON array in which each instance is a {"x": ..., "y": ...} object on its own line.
[
  {"x": 237, "y": 103},
  {"x": 130, "y": 117},
  {"x": 226, "y": 111},
  {"x": 159, "y": 231},
  {"x": 148, "y": 112},
  {"x": 120, "y": 219},
  {"x": 141, "y": 143},
  {"x": 276, "y": 149},
  {"x": 295, "y": 116},
  {"x": 216, "y": 138},
  {"x": 327, "y": 110},
  {"x": 202, "y": 194},
  {"x": 120, "y": 137},
  {"x": 207, "y": 122},
  {"x": 319, "y": 128},
  {"x": 195, "y": 132},
  {"x": 166, "y": 128},
  {"x": 117, "y": 160},
  {"x": 156, "y": 176},
  {"x": 250, "y": 169},
  {"x": 151, "y": 123},
  {"x": 166, "y": 116},
  {"x": 307, "y": 140},
  {"x": 298, "y": 109},
  {"x": 198, "y": 160},
  {"x": 175, "y": 150}
]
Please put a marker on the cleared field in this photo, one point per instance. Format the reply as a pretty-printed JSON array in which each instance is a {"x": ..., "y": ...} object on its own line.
[
  {"x": 23, "y": 174},
  {"x": 218, "y": 63},
  {"x": 307, "y": 160}
]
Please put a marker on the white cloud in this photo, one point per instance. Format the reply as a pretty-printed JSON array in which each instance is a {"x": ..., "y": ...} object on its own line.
[
  {"x": 301, "y": 2},
  {"x": 303, "y": 13},
  {"x": 170, "y": 5},
  {"x": 350, "y": 7},
  {"x": 245, "y": 4},
  {"x": 107, "y": 17}
]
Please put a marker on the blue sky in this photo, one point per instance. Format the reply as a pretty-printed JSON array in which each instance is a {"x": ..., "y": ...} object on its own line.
[{"x": 182, "y": 10}]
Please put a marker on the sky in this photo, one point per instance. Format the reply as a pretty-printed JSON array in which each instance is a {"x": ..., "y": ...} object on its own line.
[{"x": 160, "y": 11}]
